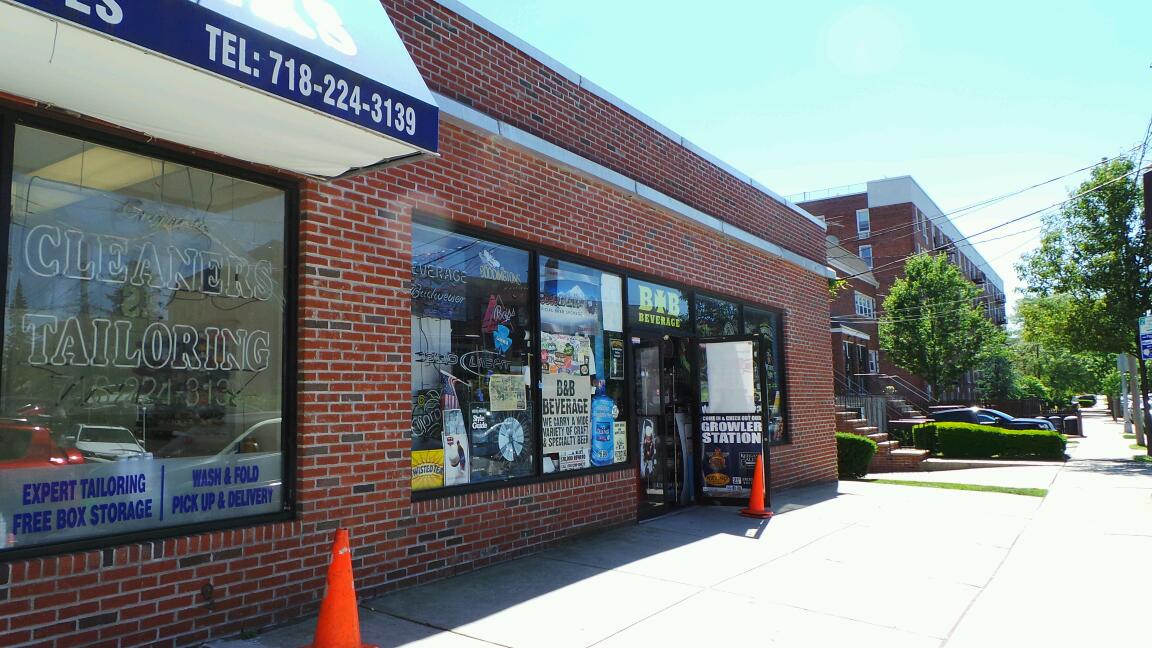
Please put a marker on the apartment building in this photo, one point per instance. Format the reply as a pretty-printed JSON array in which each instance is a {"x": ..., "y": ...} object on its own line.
[{"x": 884, "y": 222}]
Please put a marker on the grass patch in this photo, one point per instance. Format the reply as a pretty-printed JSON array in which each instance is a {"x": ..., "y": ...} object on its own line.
[
  {"x": 1129, "y": 436},
  {"x": 1137, "y": 446},
  {"x": 1030, "y": 492},
  {"x": 1142, "y": 458}
]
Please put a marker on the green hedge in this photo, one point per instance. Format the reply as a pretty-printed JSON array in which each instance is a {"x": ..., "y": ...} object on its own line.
[
  {"x": 969, "y": 441},
  {"x": 924, "y": 436},
  {"x": 853, "y": 454}
]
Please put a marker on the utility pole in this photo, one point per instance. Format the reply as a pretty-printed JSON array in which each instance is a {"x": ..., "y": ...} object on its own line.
[{"x": 1140, "y": 353}]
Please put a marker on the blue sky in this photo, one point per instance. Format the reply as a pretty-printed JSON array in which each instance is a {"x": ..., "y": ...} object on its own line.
[{"x": 972, "y": 99}]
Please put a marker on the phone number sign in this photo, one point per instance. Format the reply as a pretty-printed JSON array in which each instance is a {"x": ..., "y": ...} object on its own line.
[{"x": 339, "y": 57}]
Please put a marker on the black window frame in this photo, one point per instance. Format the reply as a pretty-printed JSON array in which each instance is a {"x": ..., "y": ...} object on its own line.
[
  {"x": 10, "y": 118},
  {"x": 534, "y": 251}
]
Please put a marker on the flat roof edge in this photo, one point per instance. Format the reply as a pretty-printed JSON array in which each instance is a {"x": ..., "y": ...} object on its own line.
[{"x": 568, "y": 73}]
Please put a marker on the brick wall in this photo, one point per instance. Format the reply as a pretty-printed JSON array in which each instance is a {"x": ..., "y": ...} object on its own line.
[
  {"x": 353, "y": 381},
  {"x": 472, "y": 66}
]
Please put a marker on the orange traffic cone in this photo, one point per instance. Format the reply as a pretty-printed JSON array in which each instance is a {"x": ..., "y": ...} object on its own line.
[
  {"x": 339, "y": 623},
  {"x": 756, "y": 499}
]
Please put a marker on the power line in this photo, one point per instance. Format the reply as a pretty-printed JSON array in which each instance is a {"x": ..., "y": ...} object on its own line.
[
  {"x": 984, "y": 203},
  {"x": 954, "y": 244}
]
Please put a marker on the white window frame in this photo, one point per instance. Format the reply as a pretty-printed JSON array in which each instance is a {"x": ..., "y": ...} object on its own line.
[
  {"x": 866, "y": 259},
  {"x": 873, "y": 361},
  {"x": 866, "y": 231},
  {"x": 865, "y": 305}
]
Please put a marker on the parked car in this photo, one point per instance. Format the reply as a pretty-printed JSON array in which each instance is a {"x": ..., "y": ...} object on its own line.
[
  {"x": 26, "y": 445},
  {"x": 239, "y": 434},
  {"x": 106, "y": 442},
  {"x": 996, "y": 418}
]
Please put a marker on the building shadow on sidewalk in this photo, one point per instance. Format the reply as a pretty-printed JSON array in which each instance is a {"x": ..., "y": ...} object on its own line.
[{"x": 612, "y": 576}]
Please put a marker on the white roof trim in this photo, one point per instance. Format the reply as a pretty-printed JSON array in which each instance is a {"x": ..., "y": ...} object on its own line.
[
  {"x": 475, "y": 120},
  {"x": 849, "y": 331},
  {"x": 515, "y": 41}
]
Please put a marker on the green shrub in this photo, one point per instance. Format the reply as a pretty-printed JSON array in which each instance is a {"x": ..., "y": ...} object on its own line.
[
  {"x": 1086, "y": 401},
  {"x": 924, "y": 437},
  {"x": 853, "y": 454},
  {"x": 968, "y": 441}
]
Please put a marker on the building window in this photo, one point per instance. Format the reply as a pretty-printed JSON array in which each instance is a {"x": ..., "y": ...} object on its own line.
[
  {"x": 715, "y": 317},
  {"x": 873, "y": 361},
  {"x": 143, "y": 363},
  {"x": 582, "y": 367},
  {"x": 866, "y": 255},
  {"x": 863, "y": 223},
  {"x": 865, "y": 306},
  {"x": 472, "y": 339},
  {"x": 768, "y": 325}
]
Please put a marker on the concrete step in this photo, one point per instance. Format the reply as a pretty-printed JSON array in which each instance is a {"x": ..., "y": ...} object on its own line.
[
  {"x": 878, "y": 437},
  {"x": 887, "y": 446},
  {"x": 867, "y": 430},
  {"x": 898, "y": 460}
]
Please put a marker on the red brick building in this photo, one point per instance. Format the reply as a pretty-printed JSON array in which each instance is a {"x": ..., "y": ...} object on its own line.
[
  {"x": 855, "y": 339},
  {"x": 218, "y": 351},
  {"x": 886, "y": 221}
]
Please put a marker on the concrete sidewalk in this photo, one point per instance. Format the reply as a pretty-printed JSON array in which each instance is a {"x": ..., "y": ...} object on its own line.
[{"x": 851, "y": 564}]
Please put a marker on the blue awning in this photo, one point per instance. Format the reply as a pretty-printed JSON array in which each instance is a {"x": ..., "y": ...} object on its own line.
[{"x": 312, "y": 86}]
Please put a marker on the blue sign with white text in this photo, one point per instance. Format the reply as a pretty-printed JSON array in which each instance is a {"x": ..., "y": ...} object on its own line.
[{"x": 339, "y": 57}]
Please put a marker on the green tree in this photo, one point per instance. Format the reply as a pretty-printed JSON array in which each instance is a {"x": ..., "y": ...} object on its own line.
[
  {"x": 1096, "y": 256},
  {"x": 1090, "y": 279},
  {"x": 998, "y": 373},
  {"x": 931, "y": 325},
  {"x": 1031, "y": 387}
]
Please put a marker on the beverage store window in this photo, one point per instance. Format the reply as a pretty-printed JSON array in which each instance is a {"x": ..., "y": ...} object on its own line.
[
  {"x": 716, "y": 317},
  {"x": 472, "y": 340},
  {"x": 769, "y": 325},
  {"x": 582, "y": 367},
  {"x": 142, "y": 376}
]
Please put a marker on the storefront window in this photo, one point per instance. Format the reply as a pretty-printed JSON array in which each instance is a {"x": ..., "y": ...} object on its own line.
[
  {"x": 471, "y": 371},
  {"x": 767, "y": 323},
  {"x": 143, "y": 362},
  {"x": 582, "y": 367},
  {"x": 716, "y": 317}
]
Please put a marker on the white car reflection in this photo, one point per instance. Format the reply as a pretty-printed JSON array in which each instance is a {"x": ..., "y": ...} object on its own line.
[
  {"x": 106, "y": 443},
  {"x": 213, "y": 476}
]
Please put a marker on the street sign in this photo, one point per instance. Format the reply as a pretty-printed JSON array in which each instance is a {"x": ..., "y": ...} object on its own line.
[{"x": 1146, "y": 337}]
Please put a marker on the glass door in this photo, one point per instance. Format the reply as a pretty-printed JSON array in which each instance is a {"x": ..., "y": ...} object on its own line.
[
  {"x": 664, "y": 415},
  {"x": 732, "y": 416}
]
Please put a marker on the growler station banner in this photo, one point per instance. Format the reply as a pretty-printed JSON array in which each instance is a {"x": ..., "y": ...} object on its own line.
[{"x": 730, "y": 444}]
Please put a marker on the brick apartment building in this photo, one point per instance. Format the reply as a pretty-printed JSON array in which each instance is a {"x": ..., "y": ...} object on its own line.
[
  {"x": 855, "y": 338},
  {"x": 883, "y": 223},
  {"x": 387, "y": 269}
]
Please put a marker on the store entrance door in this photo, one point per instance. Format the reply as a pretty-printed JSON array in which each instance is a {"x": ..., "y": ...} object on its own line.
[
  {"x": 664, "y": 409},
  {"x": 733, "y": 416}
]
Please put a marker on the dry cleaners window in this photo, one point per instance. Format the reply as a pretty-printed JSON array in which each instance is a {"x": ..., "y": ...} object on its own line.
[
  {"x": 143, "y": 345},
  {"x": 582, "y": 367},
  {"x": 471, "y": 347}
]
